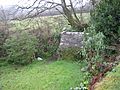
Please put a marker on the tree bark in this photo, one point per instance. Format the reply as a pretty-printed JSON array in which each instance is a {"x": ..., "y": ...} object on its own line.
[{"x": 73, "y": 21}]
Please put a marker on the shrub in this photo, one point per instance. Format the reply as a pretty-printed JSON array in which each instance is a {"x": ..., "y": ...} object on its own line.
[
  {"x": 48, "y": 42},
  {"x": 93, "y": 49},
  {"x": 3, "y": 36},
  {"x": 70, "y": 53},
  {"x": 21, "y": 48},
  {"x": 106, "y": 19}
]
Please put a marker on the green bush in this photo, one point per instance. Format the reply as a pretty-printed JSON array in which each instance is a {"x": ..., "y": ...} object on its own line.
[
  {"x": 106, "y": 19},
  {"x": 93, "y": 49},
  {"x": 21, "y": 48},
  {"x": 71, "y": 53},
  {"x": 4, "y": 33},
  {"x": 47, "y": 47}
]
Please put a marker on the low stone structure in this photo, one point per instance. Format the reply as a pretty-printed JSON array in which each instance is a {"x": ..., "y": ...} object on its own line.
[{"x": 71, "y": 39}]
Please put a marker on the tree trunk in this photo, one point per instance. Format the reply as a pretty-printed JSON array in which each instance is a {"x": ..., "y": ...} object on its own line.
[{"x": 73, "y": 21}]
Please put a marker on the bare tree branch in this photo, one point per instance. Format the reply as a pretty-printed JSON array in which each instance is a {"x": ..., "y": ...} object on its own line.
[
  {"x": 77, "y": 19},
  {"x": 68, "y": 11}
]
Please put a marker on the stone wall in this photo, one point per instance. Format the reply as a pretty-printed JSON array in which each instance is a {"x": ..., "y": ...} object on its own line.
[{"x": 71, "y": 39}]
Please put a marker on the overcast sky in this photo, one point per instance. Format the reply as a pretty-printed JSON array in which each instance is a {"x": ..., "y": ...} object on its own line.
[{"x": 23, "y": 2}]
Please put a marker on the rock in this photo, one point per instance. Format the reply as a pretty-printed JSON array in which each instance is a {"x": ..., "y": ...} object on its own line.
[
  {"x": 118, "y": 58},
  {"x": 39, "y": 59},
  {"x": 84, "y": 69},
  {"x": 77, "y": 88},
  {"x": 71, "y": 39}
]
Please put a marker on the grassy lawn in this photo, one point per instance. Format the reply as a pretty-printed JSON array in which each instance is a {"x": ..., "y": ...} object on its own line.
[
  {"x": 111, "y": 81},
  {"x": 58, "y": 75}
]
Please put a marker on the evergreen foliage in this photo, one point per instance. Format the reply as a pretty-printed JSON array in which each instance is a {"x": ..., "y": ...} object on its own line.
[
  {"x": 21, "y": 48},
  {"x": 106, "y": 19}
]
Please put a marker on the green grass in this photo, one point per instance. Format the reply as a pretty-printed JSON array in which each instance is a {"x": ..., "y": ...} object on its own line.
[
  {"x": 57, "y": 22},
  {"x": 111, "y": 81},
  {"x": 58, "y": 75}
]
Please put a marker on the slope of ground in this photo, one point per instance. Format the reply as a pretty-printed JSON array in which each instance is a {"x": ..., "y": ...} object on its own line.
[
  {"x": 111, "y": 81},
  {"x": 58, "y": 75}
]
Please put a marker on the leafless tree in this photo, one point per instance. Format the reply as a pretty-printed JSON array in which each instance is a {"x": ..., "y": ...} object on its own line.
[
  {"x": 74, "y": 21},
  {"x": 68, "y": 11}
]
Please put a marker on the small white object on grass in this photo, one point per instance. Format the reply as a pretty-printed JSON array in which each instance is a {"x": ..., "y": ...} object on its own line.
[
  {"x": 39, "y": 59},
  {"x": 77, "y": 88}
]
